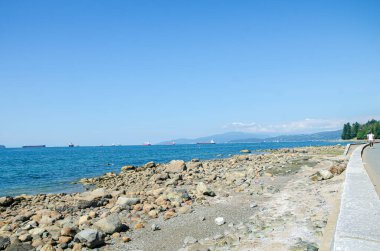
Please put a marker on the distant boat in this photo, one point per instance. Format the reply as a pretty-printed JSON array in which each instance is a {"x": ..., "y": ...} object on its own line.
[
  {"x": 147, "y": 144},
  {"x": 71, "y": 145},
  {"x": 212, "y": 142},
  {"x": 35, "y": 146},
  {"x": 170, "y": 143}
]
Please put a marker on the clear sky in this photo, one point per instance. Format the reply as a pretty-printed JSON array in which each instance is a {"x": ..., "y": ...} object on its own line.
[{"x": 102, "y": 72}]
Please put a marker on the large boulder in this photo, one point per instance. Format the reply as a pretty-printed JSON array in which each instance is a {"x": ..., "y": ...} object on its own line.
[
  {"x": 95, "y": 198},
  {"x": 6, "y": 201},
  {"x": 110, "y": 224},
  {"x": 126, "y": 203},
  {"x": 175, "y": 166},
  {"x": 18, "y": 246},
  {"x": 128, "y": 168},
  {"x": 193, "y": 165},
  {"x": 336, "y": 170},
  {"x": 91, "y": 238},
  {"x": 4, "y": 242},
  {"x": 150, "y": 164},
  {"x": 202, "y": 189},
  {"x": 326, "y": 174}
]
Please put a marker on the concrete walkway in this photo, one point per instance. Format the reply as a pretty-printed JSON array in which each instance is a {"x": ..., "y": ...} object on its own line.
[
  {"x": 358, "y": 225},
  {"x": 371, "y": 161}
]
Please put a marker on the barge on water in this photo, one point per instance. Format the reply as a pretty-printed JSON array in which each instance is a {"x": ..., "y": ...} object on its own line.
[
  {"x": 35, "y": 146},
  {"x": 212, "y": 142}
]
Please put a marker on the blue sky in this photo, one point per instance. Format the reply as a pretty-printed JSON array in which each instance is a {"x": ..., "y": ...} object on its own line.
[{"x": 103, "y": 72}]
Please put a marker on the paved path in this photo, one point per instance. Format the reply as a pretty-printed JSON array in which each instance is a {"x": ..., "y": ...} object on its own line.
[
  {"x": 371, "y": 161},
  {"x": 358, "y": 225}
]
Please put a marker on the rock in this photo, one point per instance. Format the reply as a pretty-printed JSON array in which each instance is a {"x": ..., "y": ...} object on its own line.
[
  {"x": 4, "y": 242},
  {"x": 92, "y": 199},
  {"x": 126, "y": 239},
  {"x": 245, "y": 151},
  {"x": 194, "y": 165},
  {"x": 6, "y": 201},
  {"x": 253, "y": 205},
  {"x": 138, "y": 226},
  {"x": 169, "y": 214},
  {"x": 84, "y": 219},
  {"x": 77, "y": 247},
  {"x": 326, "y": 174},
  {"x": 316, "y": 177},
  {"x": 90, "y": 238},
  {"x": 202, "y": 189},
  {"x": 190, "y": 240},
  {"x": 266, "y": 174},
  {"x": 161, "y": 177},
  {"x": 174, "y": 196},
  {"x": 175, "y": 166},
  {"x": 37, "y": 243},
  {"x": 47, "y": 247},
  {"x": 150, "y": 164},
  {"x": 153, "y": 213},
  {"x": 127, "y": 168},
  {"x": 219, "y": 221},
  {"x": 64, "y": 239},
  {"x": 25, "y": 237},
  {"x": 20, "y": 247},
  {"x": 110, "y": 224},
  {"x": 184, "y": 194},
  {"x": 304, "y": 245},
  {"x": 37, "y": 231},
  {"x": 155, "y": 227},
  {"x": 115, "y": 235},
  {"x": 184, "y": 210},
  {"x": 336, "y": 170},
  {"x": 68, "y": 231},
  {"x": 126, "y": 203},
  {"x": 241, "y": 157}
]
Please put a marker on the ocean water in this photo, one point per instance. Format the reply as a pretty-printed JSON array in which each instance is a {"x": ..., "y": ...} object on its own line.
[{"x": 53, "y": 169}]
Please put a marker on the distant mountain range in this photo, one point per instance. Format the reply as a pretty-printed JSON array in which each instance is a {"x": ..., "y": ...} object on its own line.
[{"x": 241, "y": 137}]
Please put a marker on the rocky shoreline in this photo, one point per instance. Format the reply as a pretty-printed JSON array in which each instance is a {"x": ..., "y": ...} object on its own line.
[{"x": 275, "y": 201}]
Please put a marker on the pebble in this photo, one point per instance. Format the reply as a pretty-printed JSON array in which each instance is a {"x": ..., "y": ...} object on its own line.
[
  {"x": 190, "y": 240},
  {"x": 155, "y": 227},
  {"x": 252, "y": 205},
  {"x": 219, "y": 221}
]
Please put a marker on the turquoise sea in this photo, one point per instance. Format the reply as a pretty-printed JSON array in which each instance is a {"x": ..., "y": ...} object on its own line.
[{"x": 53, "y": 169}]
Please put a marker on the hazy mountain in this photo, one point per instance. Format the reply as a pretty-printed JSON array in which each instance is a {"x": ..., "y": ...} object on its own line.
[
  {"x": 242, "y": 137},
  {"x": 330, "y": 135},
  {"x": 219, "y": 138}
]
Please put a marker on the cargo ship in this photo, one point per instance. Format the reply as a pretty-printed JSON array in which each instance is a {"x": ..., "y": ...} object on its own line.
[
  {"x": 35, "y": 146},
  {"x": 212, "y": 142},
  {"x": 71, "y": 145}
]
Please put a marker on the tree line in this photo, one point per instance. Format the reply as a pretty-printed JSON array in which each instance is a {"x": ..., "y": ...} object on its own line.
[{"x": 360, "y": 131}]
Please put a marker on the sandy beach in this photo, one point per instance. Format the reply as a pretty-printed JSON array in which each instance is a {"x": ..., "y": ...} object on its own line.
[{"x": 280, "y": 200}]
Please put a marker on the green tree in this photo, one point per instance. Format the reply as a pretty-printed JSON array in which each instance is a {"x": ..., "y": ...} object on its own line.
[
  {"x": 344, "y": 132},
  {"x": 348, "y": 134},
  {"x": 355, "y": 130}
]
